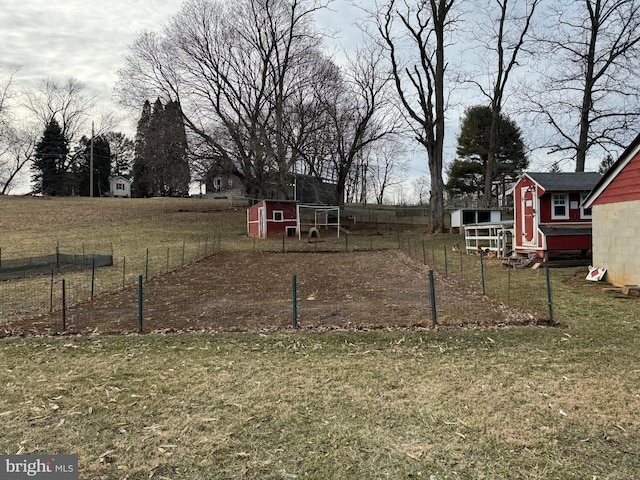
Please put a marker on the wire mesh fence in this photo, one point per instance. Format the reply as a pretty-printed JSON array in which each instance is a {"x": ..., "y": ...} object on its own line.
[
  {"x": 369, "y": 279},
  {"x": 527, "y": 289},
  {"x": 65, "y": 259},
  {"x": 34, "y": 286}
]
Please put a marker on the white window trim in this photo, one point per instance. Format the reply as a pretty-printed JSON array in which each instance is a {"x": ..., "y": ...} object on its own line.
[
  {"x": 553, "y": 206},
  {"x": 583, "y": 196},
  {"x": 281, "y": 212}
]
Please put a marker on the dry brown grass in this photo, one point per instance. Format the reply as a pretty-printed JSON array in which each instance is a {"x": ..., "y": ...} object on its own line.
[{"x": 469, "y": 403}]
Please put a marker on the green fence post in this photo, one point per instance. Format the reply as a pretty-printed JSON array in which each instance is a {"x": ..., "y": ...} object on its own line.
[
  {"x": 484, "y": 291},
  {"x": 509, "y": 286},
  {"x": 140, "y": 299},
  {"x": 294, "y": 289},
  {"x": 124, "y": 270},
  {"x": 64, "y": 305},
  {"x": 549, "y": 303},
  {"x": 346, "y": 242},
  {"x": 206, "y": 246},
  {"x": 51, "y": 293},
  {"x": 58, "y": 256},
  {"x": 167, "y": 259},
  {"x": 93, "y": 277},
  {"x": 183, "y": 243},
  {"x": 283, "y": 247},
  {"x": 432, "y": 290}
]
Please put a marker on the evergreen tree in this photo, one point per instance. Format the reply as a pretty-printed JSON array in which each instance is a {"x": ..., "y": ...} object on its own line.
[
  {"x": 161, "y": 166},
  {"x": 101, "y": 167},
  {"x": 50, "y": 162},
  {"x": 606, "y": 163},
  {"x": 177, "y": 175},
  {"x": 467, "y": 172},
  {"x": 140, "y": 185}
]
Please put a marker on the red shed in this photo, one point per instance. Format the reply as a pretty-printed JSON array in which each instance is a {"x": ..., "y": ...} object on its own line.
[
  {"x": 272, "y": 218},
  {"x": 548, "y": 213}
]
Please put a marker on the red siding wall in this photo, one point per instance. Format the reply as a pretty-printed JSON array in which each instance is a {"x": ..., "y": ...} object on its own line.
[{"x": 625, "y": 186}]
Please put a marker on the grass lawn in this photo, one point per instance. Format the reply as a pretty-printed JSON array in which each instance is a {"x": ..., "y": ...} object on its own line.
[{"x": 500, "y": 403}]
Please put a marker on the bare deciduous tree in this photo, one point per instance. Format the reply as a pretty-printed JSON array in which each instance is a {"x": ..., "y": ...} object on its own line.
[
  {"x": 16, "y": 143},
  {"x": 234, "y": 69},
  {"x": 588, "y": 93},
  {"x": 501, "y": 32},
  {"x": 16, "y": 151},
  {"x": 66, "y": 101},
  {"x": 385, "y": 168},
  {"x": 421, "y": 28}
]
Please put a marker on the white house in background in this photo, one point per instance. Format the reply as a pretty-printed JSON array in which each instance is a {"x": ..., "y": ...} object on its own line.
[{"x": 119, "y": 186}]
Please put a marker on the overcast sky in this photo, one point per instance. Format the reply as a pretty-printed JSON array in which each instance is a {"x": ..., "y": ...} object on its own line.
[{"x": 86, "y": 39}]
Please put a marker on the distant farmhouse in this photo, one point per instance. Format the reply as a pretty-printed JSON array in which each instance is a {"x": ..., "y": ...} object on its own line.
[{"x": 308, "y": 189}]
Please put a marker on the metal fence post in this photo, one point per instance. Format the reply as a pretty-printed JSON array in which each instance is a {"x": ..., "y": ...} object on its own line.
[
  {"x": 432, "y": 290},
  {"x": 294, "y": 289},
  {"x": 93, "y": 277},
  {"x": 51, "y": 293},
  {"x": 484, "y": 290},
  {"x": 64, "y": 305},
  {"x": 140, "y": 300},
  {"x": 549, "y": 303}
]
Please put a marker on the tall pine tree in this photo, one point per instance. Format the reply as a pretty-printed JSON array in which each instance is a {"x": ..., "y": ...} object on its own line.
[
  {"x": 161, "y": 165},
  {"x": 141, "y": 186},
  {"x": 467, "y": 172},
  {"x": 51, "y": 175}
]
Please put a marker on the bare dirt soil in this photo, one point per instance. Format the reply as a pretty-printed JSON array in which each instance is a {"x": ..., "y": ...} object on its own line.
[{"x": 253, "y": 292}]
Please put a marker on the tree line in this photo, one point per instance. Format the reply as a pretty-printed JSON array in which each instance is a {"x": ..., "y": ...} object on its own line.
[
  {"x": 56, "y": 142},
  {"x": 260, "y": 98}
]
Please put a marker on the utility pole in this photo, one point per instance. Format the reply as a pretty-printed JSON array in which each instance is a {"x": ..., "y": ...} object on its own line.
[{"x": 91, "y": 165}]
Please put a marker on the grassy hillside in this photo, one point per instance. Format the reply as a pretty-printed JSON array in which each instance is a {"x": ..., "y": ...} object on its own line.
[
  {"x": 503, "y": 403},
  {"x": 33, "y": 226}
]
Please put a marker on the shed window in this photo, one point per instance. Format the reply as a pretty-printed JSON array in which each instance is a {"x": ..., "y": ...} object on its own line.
[
  {"x": 119, "y": 186},
  {"x": 278, "y": 215},
  {"x": 584, "y": 212},
  {"x": 560, "y": 206}
]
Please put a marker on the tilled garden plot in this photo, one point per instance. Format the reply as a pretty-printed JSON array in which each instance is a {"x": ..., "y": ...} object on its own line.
[{"x": 232, "y": 291}]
